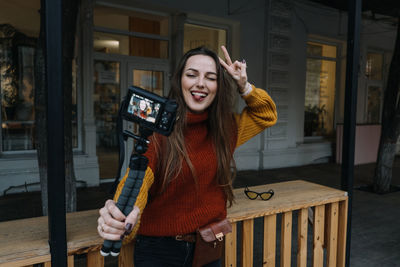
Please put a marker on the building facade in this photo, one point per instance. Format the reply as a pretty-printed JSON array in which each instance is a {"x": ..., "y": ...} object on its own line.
[{"x": 296, "y": 50}]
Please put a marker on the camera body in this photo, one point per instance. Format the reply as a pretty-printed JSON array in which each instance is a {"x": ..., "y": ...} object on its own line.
[{"x": 149, "y": 110}]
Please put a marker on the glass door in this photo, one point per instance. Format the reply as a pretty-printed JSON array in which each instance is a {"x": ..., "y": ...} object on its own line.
[
  {"x": 150, "y": 80},
  {"x": 106, "y": 100},
  {"x": 111, "y": 80},
  {"x": 151, "y": 77}
]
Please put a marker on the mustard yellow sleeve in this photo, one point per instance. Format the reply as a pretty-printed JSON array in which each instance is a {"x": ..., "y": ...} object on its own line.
[
  {"x": 259, "y": 114},
  {"x": 141, "y": 200}
]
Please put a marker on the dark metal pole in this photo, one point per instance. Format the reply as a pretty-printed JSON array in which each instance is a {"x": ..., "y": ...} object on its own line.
[
  {"x": 55, "y": 134},
  {"x": 349, "y": 129}
]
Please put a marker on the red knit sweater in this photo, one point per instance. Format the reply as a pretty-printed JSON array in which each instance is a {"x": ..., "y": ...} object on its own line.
[{"x": 182, "y": 208}]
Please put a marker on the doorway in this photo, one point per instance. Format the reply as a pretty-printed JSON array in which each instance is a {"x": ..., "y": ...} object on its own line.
[{"x": 111, "y": 81}]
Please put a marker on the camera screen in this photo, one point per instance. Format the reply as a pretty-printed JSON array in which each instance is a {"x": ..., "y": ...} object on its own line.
[{"x": 143, "y": 108}]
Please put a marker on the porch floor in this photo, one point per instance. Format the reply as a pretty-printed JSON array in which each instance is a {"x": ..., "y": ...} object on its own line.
[{"x": 375, "y": 237}]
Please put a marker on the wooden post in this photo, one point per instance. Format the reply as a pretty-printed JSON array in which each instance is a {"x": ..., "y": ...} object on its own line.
[
  {"x": 71, "y": 261},
  {"x": 94, "y": 258},
  {"x": 332, "y": 233},
  {"x": 302, "y": 226},
  {"x": 230, "y": 247},
  {"x": 286, "y": 239},
  {"x": 126, "y": 257},
  {"x": 247, "y": 242},
  {"x": 318, "y": 250},
  {"x": 342, "y": 232},
  {"x": 269, "y": 253}
]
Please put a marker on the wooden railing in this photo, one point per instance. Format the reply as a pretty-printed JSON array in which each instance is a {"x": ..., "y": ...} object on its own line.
[
  {"x": 25, "y": 242},
  {"x": 323, "y": 207}
]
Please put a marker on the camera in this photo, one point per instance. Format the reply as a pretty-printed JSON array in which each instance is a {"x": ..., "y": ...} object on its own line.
[{"x": 151, "y": 111}]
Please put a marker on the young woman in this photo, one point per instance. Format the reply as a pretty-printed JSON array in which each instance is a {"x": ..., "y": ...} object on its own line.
[{"x": 188, "y": 182}]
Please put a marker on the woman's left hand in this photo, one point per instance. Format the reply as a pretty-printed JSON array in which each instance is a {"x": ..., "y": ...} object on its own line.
[{"x": 236, "y": 69}]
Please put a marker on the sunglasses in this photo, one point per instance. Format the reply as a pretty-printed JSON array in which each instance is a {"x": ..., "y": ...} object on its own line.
[{"x": 253, "y": 195}]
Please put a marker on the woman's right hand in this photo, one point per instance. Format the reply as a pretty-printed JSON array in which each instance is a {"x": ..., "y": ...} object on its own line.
[
  {"x": 113, "y": 224},
  {"x": 236, "y": 69}
]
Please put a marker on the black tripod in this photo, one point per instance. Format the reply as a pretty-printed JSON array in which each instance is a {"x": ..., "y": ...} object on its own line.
[{"x": 137, "y": 168}]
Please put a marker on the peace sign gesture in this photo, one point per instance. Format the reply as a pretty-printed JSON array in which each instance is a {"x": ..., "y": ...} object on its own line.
[{"x": 236, "y": 69}]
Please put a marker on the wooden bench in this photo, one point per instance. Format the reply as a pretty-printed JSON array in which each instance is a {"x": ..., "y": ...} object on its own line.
[{"x": 25, "y": 242}]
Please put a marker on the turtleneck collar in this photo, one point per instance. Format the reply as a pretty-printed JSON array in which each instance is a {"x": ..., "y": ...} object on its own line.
[{"x": 193, "y": 118}]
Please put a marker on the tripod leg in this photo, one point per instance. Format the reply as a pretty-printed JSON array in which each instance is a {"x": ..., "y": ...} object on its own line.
[
  {"x": 139, "y": 164},
  {"x": 135, "y": 174}
]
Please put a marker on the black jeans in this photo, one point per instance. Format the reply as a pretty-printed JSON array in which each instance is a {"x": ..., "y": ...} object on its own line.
[{"x": 153, "y": 251}]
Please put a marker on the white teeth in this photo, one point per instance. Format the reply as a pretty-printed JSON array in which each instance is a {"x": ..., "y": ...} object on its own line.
[{"x": 199, "y": 94}]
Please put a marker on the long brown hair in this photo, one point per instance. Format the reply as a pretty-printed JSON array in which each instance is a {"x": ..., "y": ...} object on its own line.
[{"x": 221, "y": 127}]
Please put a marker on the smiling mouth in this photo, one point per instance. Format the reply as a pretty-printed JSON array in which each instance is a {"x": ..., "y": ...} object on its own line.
[{"x": 198, "y": 95}]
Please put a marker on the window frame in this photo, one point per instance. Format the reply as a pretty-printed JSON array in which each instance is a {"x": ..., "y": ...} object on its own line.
[
  {"x": 167, "y": 38},
  {"x": 231, "y": 27},
  {"x": 321, "y": 40},
  {"x": 378, "y": 83}
]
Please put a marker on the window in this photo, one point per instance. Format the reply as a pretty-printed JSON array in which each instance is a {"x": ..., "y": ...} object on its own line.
[
  {"x": 374, "y": 66},
  {"x": 17, "y": 98},
  {"x": 374, "y": 76},
  {"x": 212, "y": 38},
  {"x": 17, "y": 85},
  {"x": 130, "y": 33},
  {"x": 320, "y": 89},
  {"x": 149, "y": 80}
]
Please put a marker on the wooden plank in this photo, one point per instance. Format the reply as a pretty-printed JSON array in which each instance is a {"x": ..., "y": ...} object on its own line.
[
  {"x": 230, "y": 247},
  {"x": 94, "y": 258},
  {"x": 47, "y": 264},
  {"x": 318, "y": 250},
  {"x": 70, "y": 261},
  {"x": 125, "y": 258},
  {"x": 286, "y": 239},
  {"x": 342, "y": 231},
  {"x": 289, "y": 196},
  {"x": 302, "y": 232},
  {"x": 332, "y": 233},
  {"x": 247, "y": 242},
  {"x": 82, "y": 232},
  {"x": 24, "y": 242},
  {"x": 269, "y": 251},
  {"x": 24, "y": 261}
]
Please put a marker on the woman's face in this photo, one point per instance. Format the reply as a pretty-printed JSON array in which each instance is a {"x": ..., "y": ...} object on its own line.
[{"x": 199, "y": 82}]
